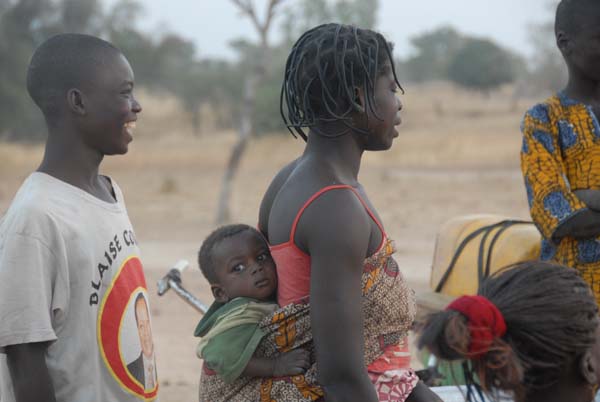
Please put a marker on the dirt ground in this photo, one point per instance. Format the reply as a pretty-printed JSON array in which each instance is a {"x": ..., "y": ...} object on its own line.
[{"x": 458, "y": 153}]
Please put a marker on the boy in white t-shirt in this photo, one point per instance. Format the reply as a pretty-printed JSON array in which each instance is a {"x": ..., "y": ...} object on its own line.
[{"x": 70, "y": 268}]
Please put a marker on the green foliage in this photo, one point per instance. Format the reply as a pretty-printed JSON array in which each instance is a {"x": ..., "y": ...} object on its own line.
[
  {"x": 213, "y": 82},
  {"x": 548, "y": 69},
  {"x": 24, "y": 24},
  {"x": 362, "y": 13},
  {"x": 305, "y": 14},
  {"x": 435, "y": 50},
  {"x": 169, "y": 62},
  {"x": 165, "y": 63},
  {"x": 482, "y": 65},
  {"x": 266, "y": 114},
  {"x": 475, "y": 63},
  {"x": 17, "y": 41},
  {"x": 81, "y": 16}
]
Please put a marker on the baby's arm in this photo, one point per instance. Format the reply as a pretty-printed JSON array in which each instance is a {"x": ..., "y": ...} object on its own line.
[{"x": 291, "y": 363}]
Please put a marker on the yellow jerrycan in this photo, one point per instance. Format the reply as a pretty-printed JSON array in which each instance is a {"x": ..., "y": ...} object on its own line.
[{"x": 470, "y": 248}]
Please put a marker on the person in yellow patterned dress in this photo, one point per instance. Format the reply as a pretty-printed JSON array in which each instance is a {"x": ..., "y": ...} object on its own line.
[{"x": 560, "y": 156}]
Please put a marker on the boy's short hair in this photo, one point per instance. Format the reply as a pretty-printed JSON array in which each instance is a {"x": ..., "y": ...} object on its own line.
[
  {"x": 205, "y": 255},
  {"x": 570, "y": 12},
  {"x": 63, "y": 62}
]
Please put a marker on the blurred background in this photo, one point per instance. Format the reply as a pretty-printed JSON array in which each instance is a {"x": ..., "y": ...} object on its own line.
[{"x": 470, "y": 69}]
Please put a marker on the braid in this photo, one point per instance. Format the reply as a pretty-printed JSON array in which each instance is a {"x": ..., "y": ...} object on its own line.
[
  {"x": 325, "y": 67},
  {"x": 551, "y": 319}
]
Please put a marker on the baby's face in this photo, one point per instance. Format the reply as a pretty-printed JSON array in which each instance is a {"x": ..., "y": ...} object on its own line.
[{"x": 244, "y": 267}]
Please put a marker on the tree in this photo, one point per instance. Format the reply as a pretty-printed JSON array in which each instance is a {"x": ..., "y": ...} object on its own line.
[
  {"x": 211, "y": 82},
  {"x": 305, "y": 14},
  {"x": 81, "y": 16},
  {"x": 22, "y": 23},
  {"x": 263, "y": 64},
  {"x": 140, "y": 49},
  {"x": 165, "y": 62},
  {"x": 435, "y": 50},
  {"x": 548, "y": 71},
  {"x": 362, "y": 13},
  {"x": 256, "y": 70},
  {"x": 482, "y": 65}
]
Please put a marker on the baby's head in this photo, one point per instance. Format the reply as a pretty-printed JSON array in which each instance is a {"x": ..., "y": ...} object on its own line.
[{"x": 236, "y": 261}]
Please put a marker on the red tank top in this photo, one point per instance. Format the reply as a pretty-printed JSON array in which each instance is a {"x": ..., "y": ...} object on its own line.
[{"x": 293, "y": 265}]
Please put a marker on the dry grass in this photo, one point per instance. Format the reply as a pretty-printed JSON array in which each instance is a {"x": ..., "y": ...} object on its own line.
[{"x": 463, "y": 161}]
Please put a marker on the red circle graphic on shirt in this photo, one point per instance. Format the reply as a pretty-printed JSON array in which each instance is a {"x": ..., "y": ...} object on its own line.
[{"x": 126, "y": 284}]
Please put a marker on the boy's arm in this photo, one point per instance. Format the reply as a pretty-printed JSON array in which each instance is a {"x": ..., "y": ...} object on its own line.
[
  {"x": 591, "y": 198},
  {"x": 585, "y": 224},
  {"x": 292, "y": 363},
  {"x": 26, "y": 310},
  {"x": 29, "y": 373}
]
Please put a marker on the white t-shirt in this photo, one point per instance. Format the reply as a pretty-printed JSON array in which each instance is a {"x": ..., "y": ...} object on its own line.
[{"x": 70, "y": 273}]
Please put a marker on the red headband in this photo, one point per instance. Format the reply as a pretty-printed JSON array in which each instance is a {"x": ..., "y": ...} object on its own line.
[{"x": 485, "y": 322}]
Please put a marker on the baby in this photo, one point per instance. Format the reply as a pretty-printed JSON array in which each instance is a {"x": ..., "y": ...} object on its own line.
[{"x": 236, "y": 261}]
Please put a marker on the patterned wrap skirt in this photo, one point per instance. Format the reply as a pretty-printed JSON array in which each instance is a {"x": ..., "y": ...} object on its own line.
[{"x": 389, "y": 309}]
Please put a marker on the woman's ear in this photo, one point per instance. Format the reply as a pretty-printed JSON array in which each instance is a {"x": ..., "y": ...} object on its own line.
[
  {"x": 219, "y": 293},
  {"x": 359, "y": 99}
]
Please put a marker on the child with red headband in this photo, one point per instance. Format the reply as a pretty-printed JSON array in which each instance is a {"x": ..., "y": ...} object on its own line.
[{"x": 531, "y": 332}]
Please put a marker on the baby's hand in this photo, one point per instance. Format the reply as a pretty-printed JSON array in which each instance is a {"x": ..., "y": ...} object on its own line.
[{"x": 291, "y": 363}]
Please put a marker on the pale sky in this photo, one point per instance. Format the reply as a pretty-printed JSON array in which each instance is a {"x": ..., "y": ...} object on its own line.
[{"x": 212, "y": 24}]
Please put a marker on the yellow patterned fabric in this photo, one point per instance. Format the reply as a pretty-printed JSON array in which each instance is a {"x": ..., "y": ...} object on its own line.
[{"x": 561, "y": 154}]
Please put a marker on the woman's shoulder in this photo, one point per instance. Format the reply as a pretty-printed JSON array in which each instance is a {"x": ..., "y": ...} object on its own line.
[
  {"x": 274, "y": 187},
  {"x": 290, "y": 189}
]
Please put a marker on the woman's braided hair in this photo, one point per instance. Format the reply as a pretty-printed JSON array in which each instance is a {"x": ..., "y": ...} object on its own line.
[
  {"x": 325, "y": 67},
  {"x": 551, "y": 319}
]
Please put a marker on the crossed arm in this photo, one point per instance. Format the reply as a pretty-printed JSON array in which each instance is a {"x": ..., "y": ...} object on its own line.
[
  {"x": 557, "y": 210},
  {"x": 586, "y": 223}
]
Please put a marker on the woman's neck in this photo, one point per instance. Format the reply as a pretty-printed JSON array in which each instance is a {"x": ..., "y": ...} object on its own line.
[{"x": 342, "y": 152}]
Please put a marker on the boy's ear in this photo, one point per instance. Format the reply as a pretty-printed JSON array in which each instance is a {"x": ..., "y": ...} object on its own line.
[
  {"x": 219, "y": 293},
  {"x": 588, "y": 367},
  {"x": 563, "y": 42},
  {"x": 75, "y": 101}
]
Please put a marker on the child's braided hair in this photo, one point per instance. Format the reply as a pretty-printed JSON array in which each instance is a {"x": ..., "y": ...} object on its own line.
[{"x": 551, "y": 320}]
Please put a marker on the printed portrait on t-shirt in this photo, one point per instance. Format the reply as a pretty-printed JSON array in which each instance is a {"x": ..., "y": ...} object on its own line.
[
  {"x": 125, "y": 333},
  {"x": 143, "y": 367}
]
